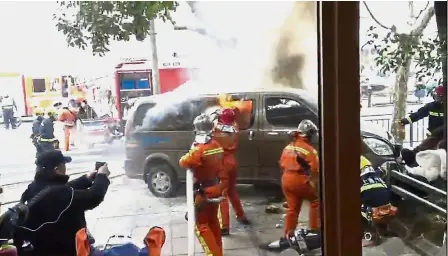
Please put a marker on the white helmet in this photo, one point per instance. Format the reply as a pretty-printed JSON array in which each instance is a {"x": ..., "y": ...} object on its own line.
[
  {"x": 307, "y": 128},
  {"x": 203, "y": 124},
  {"x": 203, "y": 127}
]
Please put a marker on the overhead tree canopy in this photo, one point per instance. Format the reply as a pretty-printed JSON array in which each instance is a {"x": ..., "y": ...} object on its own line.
[
  {"x": 97, "y": 23},
  {"x": 396, "y": 47},
  {"x": 397, "y": 51}
]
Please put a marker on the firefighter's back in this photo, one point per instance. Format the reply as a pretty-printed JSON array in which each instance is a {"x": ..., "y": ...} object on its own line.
[{"x": 211, "y": 158}]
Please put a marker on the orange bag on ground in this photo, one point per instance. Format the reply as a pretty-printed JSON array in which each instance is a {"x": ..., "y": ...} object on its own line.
[{"x": 154, "y": 241}]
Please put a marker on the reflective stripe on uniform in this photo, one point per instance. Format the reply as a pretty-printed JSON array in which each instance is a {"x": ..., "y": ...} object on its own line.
[
  {"x": 409, "y": 119},
  {"x": 367, "y": 169},
  {"x": 365, "y": 215},
  {"x": 213, "y": 151},
  {"x": 202, "y": 242},
  {"x": 432, "y": 113},
  {"x": 298, "y": 149},
  {"x": 188, "y": 154},
  {"x": 220, "y": 217},
  {"x": 47, "y": 140},
  {"x": 372, "y": 186}
]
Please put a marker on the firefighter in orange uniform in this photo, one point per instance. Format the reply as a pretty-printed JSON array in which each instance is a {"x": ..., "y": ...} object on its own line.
[
  {"x": 226, "y": 133},
  {"x": 68, "y": 117},
  {"x": 300, "y": 165},
  {"x": 205, "y": 160}
]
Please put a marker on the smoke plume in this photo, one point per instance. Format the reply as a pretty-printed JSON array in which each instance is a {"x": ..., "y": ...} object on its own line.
[
  {"x": 259, "y": 44},
  {"x": 247, "y": 45}
]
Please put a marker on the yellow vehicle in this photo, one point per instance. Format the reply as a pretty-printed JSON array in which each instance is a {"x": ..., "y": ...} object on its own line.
[{"x": 42, "y": 92}]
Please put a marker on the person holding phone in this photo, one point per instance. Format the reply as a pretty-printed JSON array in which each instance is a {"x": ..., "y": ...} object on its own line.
[{"x": 57, "y": 215}]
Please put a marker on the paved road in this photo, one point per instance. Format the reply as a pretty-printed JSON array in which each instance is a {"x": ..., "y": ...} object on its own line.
[{"x": 17, "y": 156}]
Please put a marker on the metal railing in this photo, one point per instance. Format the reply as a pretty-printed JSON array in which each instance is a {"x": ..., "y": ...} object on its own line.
[{"x": 415, "y": 132}]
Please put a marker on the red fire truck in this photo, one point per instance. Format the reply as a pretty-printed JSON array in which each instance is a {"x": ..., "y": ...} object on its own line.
[{"x": 133, "y": 79}]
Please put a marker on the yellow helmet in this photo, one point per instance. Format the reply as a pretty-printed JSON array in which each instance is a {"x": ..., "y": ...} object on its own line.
[
  {"x": 364, "y": 162},
  {"x": 51, "y": 112},
  {"x": 38, "y": 111}
]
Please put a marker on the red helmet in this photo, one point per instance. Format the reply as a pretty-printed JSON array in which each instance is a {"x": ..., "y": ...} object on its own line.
[
  {"x": 439, "y": 91},
  {"x": 227, "y": 117}
]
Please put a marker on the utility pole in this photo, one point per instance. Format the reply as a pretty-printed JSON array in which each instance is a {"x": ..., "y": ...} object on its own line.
[{"x": 155, "y": 59}]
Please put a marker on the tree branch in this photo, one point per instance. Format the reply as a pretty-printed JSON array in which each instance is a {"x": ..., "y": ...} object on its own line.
[
  {"x": 424, "y": 22},
  {"x": 373, "y": 17},
  {"x": 422, "y": 10}
]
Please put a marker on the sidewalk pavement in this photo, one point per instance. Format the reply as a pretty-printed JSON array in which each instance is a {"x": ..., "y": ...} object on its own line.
[{"x": 130, "y": 209}]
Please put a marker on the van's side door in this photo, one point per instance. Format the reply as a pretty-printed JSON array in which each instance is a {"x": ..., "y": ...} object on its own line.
[
  {"x": 280, "y": 114},
  {"x": 249, "y": 141}
]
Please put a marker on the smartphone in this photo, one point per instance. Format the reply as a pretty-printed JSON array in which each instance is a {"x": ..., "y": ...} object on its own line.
[{"x": 98, "y": 165}]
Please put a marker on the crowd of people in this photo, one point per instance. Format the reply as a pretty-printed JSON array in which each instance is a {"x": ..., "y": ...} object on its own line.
[{"x": 43, "y": 137}]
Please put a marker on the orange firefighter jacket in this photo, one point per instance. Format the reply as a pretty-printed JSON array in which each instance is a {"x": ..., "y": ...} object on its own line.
[
  {"x": 300, "y": 147},
  {"x": 66, "y": 116},
  {"x": 205, "y": 160}
]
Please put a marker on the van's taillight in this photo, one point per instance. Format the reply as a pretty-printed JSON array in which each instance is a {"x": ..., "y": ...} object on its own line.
[{"x": 128, "y": 127}]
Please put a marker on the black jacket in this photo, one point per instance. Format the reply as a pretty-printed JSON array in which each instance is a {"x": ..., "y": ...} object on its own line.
[
  {"x": 47, "y": 128},
  {"x": 36, "y": 125},
  {"x": 75, "y": 197},
  {"x": 377, "y": 196},
  {"x": 435, "y": 112},
  {"x": 87, "y": 113}
]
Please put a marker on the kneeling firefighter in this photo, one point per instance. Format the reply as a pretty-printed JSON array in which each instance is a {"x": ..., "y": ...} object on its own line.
[
  {"x": 205, "y": 161},
  {"x": 226, "y": 133},
  {"x": 300, "y": 165},
  {"x": 376, "y": 209},
  {"x": 35, "y": 132},
  {"x": 47, "y": 141}
]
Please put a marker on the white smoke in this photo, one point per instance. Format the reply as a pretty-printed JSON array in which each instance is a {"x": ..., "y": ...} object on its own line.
[
  {"x": 258, "y": 44},
  {"x": 248, "y": 45}
]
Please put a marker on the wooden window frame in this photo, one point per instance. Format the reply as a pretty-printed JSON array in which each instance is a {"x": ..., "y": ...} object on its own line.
[{"x": 340, "y": 127}]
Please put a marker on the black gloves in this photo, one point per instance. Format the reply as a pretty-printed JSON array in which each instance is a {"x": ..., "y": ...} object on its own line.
[{"x": 404, "y": 121}]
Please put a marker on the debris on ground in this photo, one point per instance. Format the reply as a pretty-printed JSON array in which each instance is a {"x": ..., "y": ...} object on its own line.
[{"x": 272, "y": 209}]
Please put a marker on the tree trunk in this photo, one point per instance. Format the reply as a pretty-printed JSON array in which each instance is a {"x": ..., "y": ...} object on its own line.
[
  {"x": 400, "y": 99},
  {"x": 401, "y": 83}
]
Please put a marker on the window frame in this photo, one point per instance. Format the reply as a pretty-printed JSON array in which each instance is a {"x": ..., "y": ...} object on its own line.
[
  {"x": 44, "y": 83},
  {"x": 338, "y": 51},
  {"x": 265, "y": 106}
]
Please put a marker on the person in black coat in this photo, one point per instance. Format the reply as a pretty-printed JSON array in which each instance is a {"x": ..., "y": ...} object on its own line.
[
  {"x": 86, "y": 111},
  {"x": 47, "y": 138},
  {"x": 55, "y": 218},
  {"x": 35, "y": 131},
  {"x": 433, "y": 110}
]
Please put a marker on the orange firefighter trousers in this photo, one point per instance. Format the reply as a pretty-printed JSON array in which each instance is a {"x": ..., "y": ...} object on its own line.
[
  {"x": 296, "y": 189},
  {"x": 208, "y": 231},
  {"x": 228, "y": 184},
  {"x": 67, "y": 132}
]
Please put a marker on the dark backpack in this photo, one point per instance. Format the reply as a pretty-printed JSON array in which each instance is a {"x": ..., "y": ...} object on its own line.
[{"x": 18, "y": 214}]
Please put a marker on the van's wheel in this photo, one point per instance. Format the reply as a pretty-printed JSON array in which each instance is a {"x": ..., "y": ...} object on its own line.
[{"x": 162, "y": 180}]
